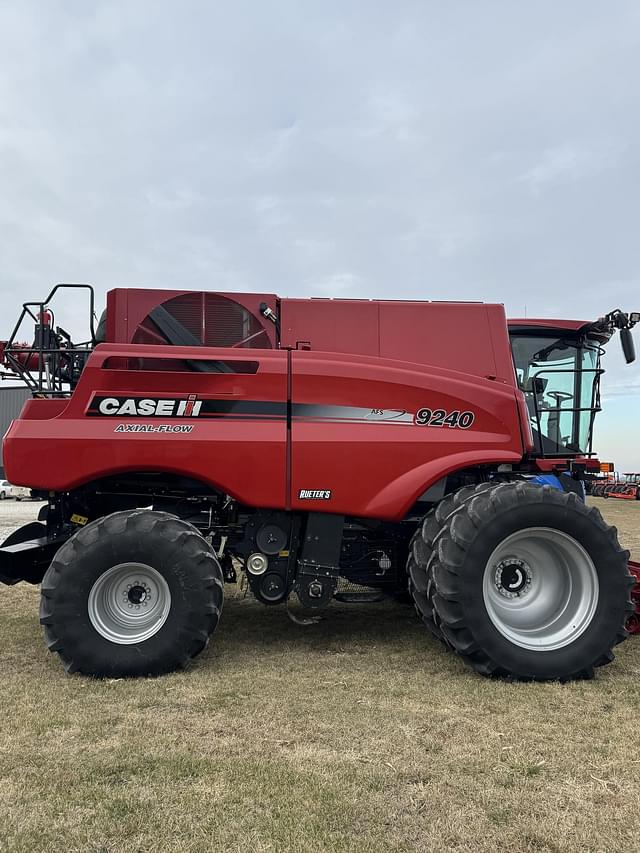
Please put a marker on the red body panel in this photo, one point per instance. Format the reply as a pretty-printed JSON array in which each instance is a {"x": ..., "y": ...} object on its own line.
[
  {"x": 333, "y": 411},
  {"x": 244, "y": 458},
  {"x": 470, "y": 337},
  {"x": 541, "y": 322},
  {"x": 379, "y": 468}
]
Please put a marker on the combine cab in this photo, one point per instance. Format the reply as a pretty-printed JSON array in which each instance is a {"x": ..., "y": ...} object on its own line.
[{"x": 324, "y": 449}]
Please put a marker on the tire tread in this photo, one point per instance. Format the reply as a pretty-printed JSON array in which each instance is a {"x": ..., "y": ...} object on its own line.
[
  {"x": 453, "y": 540},
  {"x": 207, "y": 586}
]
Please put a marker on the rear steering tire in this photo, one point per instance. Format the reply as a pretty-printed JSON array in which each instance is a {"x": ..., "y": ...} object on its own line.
[
  {"x": 529, "y": 583},
  {"x": 134, "y": 593}
]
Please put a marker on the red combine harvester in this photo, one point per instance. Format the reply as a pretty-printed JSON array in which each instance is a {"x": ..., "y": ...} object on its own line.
[{"x": 308, "y": 442}]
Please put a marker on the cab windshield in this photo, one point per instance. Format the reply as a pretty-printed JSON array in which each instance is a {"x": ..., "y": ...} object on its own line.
[{"x": 560, "y": 381}]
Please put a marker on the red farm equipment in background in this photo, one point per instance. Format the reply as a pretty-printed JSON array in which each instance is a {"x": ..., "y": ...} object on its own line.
[
  {"x": 628, "y": 489},
  {"x": 607, "y": 485}
]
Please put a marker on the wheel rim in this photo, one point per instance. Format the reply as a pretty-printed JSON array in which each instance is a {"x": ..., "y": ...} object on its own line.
[
  {"x": 540, "y": 589},
  {"x": 129, "y": 603}
]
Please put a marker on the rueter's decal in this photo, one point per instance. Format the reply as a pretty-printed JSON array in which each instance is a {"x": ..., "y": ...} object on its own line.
[{"x": 314, "y": 495}]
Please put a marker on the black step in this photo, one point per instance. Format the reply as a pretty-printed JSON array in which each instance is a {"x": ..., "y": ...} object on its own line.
[{"x": 359, "y": 597}]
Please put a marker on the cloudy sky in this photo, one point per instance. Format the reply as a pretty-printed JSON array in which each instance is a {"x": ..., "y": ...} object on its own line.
[{"x": 486, "y": 151}]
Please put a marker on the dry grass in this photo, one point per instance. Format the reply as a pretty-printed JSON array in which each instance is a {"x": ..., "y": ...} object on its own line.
[{"x": 360, "y": 734}]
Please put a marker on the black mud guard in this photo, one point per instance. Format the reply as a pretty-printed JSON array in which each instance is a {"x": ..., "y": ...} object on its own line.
[{"x": 25, "y": 555}]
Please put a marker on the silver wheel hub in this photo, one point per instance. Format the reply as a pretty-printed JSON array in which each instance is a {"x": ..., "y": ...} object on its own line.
[
  {"x": 129, "y": 603},
  {"x": 540, "y": 588},
  {"x": 513, "y": 578}
]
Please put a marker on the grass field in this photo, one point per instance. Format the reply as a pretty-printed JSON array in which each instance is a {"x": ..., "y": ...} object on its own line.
[{"x": 358, "y": 734}]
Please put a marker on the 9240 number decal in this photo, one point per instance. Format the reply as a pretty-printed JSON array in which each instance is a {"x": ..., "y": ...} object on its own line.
[{"x": 441, "y": 418}]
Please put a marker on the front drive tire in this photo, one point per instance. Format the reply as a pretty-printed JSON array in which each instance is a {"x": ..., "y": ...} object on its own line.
[
  {"x": 421, "y": 583},
  {"x": 531, "y": 584},
  {"x": 132, "y": 594}
]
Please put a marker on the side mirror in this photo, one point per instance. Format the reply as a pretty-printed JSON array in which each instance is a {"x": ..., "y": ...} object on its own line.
[{"x": 628, "y": 348}]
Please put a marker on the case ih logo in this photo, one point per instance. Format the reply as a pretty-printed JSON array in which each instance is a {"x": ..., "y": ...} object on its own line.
[{"x": 146, "y": 407}]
